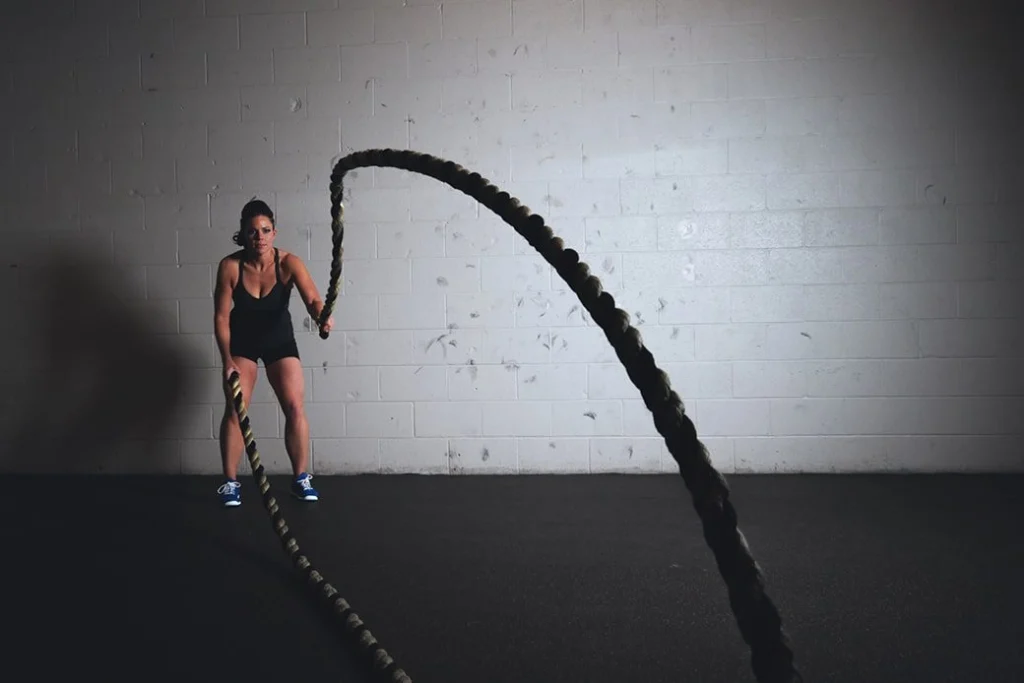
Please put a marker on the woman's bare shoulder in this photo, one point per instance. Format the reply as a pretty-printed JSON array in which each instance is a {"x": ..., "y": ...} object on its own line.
[
  {"x": 231, "y": 263},
  {"x": 289, "y": 259}
]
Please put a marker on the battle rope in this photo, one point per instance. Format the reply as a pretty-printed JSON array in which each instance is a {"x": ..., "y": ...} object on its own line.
[{"x": 756, "y": 615}]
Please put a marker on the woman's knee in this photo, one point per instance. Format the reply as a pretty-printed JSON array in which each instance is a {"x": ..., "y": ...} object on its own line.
[
  {"x": 247, "y": 385},
  {"x": 293, "y": 409}
]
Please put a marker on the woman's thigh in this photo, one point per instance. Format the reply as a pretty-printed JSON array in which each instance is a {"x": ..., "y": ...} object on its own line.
[
  {"x": 246, "y": 379},
  {"x": 287, "y": 378}
]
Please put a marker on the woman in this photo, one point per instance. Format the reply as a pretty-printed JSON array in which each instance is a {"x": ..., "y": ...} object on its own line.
[{"x": 258, "y": 281}]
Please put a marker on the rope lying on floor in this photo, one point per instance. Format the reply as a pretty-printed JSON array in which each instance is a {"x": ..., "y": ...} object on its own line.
[{"x": 756, "y": 615}]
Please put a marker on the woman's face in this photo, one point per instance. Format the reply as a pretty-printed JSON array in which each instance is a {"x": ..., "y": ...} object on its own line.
[{"x": 259, "y": 236}]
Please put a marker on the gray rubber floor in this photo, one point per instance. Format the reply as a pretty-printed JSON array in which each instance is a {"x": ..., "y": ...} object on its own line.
[{"x": 595, "y": 579}]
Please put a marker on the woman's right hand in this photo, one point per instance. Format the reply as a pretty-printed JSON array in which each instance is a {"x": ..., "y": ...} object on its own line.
[{"x": 228, "y": 369}]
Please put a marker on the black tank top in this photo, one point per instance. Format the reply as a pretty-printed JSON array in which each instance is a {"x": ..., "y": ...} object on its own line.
[{"x": 264, "y": 320}]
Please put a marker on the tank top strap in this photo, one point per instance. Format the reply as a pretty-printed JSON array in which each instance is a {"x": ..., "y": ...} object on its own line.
[{"x": 239, "y": 284}]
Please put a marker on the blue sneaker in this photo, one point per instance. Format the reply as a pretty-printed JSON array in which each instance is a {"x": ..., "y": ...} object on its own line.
[
  {"x": 302, "y": 488},
  {"x": 230, "y": 495}
]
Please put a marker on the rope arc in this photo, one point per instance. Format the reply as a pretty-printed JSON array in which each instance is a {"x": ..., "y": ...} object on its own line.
[{"x": 758, "y": 619}]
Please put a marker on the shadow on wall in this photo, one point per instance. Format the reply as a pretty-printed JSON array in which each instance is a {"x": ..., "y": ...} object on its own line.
[{"x": 90, "y": 386}]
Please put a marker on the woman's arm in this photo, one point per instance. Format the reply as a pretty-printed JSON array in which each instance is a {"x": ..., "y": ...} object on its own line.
[
  {"x": 307, "y": 289},
  {"x": 222, "y": 309},
  {"x": 304, "y": 283}
]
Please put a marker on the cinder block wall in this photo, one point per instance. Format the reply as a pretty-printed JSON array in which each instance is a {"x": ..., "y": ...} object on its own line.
[{"x": 811, "y": 210}]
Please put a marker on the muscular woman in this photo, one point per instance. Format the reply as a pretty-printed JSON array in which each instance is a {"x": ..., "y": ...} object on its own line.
[{"x": 252, "y": 322}]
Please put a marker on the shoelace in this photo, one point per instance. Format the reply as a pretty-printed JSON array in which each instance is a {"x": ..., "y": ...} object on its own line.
[
  {"x": 306, "y": 483},
  {"x": 228, "y": 486}
]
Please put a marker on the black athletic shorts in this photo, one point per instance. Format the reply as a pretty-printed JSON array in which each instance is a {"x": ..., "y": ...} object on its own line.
[{"x": 269, "y": 353}]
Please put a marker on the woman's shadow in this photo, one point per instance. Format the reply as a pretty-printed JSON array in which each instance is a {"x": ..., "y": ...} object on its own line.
[
  {"x": 95, "y": 387},
  {"x": 92, "y": 375}
]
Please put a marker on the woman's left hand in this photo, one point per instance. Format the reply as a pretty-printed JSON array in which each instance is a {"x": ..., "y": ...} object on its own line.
[{"x": 327, "y": 326}]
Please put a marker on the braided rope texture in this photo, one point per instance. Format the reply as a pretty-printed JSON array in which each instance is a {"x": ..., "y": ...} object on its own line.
[
  {"x": 382, "y": 662},
  {"x": 758, "y": 619}
]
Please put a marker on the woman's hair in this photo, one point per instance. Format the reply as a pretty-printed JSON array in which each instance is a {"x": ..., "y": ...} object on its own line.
[{"x": 252, "y": 209}]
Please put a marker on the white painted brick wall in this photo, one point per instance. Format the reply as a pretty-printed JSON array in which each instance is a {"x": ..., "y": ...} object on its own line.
[{"x": 809, "y": 209}]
